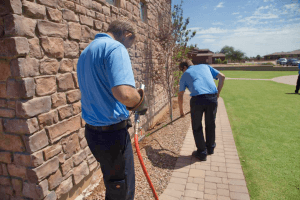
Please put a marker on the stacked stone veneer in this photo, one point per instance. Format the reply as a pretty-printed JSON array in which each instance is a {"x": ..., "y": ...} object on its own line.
[{"x": 43, "y": 151}]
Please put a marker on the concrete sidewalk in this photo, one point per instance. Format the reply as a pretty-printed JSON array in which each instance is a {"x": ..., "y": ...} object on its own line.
[{"x": 220, "y": 177}]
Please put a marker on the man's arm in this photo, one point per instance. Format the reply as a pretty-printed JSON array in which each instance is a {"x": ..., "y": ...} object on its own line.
[
  {"x": 221, "y": 78},
  {"x": 180, "y": 102},
  {"x": 127, "y": 95}
]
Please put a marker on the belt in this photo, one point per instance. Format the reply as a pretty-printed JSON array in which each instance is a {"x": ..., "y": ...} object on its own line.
[
  {"x": 205, "y": 95},
  {"x": 113, "y": 127}
]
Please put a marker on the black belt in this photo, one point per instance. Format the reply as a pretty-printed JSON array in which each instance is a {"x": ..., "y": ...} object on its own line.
[
  {"x": 205, "y": 95},
  {"x": 113, "y": 127}
]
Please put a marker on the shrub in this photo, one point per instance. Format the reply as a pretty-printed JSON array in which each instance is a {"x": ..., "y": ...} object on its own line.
[
  {"x": 268, "y": 63},
  {"x": 225, "y": 61}
]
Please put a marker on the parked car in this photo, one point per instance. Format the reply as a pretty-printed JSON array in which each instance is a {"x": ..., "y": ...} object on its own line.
[
  {"x": 290, "y": 61},
  {"x": 296, "y": 63},
  {"x": 282, "y": 61}
]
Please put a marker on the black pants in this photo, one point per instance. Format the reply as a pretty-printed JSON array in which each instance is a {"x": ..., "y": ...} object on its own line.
[
  {"x": 114, "y": 152},
  {"x": 207, "y": 104},
  {"x": 298, "y": 84}
]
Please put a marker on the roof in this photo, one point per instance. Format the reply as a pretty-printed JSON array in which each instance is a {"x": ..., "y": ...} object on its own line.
[
  {"x": 219, "y": 55},
  {"x": 285, "y": 53}
]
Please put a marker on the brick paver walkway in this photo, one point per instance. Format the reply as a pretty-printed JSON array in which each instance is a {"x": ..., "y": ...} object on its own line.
[{"x": 220, "y": 177}]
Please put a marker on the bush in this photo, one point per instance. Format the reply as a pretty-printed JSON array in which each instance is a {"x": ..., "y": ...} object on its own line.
[
  {"x": 225, "y": 62},
  {"x": 218, "y": 61},
  {"x": 268, "y": 63}
]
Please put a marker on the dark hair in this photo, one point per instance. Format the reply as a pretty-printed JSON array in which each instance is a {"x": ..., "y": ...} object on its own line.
[
  {"x": 185, "y": 63},
  {"x": 119, "y": 27}
]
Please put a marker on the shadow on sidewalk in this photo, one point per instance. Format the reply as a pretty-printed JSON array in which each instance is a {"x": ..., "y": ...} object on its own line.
[{"x": 293, "y": 93}]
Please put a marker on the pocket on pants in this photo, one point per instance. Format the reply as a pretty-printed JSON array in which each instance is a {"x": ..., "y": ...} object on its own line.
[{"x": 116, "y": 190}]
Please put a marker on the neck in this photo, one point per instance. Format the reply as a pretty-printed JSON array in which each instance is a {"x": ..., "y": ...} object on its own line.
[{"x": 111, "y": 35}]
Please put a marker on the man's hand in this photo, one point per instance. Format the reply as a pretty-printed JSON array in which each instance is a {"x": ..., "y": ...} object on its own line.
[
  {"x": 182, "y": 114},
  {"x": 142, "y": 107}
]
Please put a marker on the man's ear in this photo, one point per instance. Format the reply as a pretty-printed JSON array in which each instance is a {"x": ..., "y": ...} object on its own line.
[{"x": 127, "y": 34}]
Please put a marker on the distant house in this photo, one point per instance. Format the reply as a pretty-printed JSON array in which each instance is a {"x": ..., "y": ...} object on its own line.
[
  {"x": 204, "y": 56},
  {"x": 276, "y": 55}
]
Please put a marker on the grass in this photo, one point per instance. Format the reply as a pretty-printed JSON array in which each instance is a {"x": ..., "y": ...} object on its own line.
[
  {"x": 257, "y": 74},
  {"x": 266, "y": 127}
]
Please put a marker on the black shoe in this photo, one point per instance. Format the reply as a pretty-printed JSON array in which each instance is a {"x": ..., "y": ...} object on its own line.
[
  {"x": 200, "y": 157},
  {"x": 210, "y": 150},
  {"x": 296, "y": 92}
]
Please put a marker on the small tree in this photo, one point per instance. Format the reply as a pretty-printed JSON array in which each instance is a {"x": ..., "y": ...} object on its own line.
[
  {"x": 258, "y": 57},
  {"x": 230, "y": 53},
  {"x": 173, "y": 37}
]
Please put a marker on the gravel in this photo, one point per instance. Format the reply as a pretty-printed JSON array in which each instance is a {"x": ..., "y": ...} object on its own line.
[{"x": 160, "y": 151}]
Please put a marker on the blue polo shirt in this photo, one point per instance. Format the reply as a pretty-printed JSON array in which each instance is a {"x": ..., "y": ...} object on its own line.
[
  {"x": 299, "y": 69},
  {"x": 104, "y": 64},
  {"x": 199, "y": 80}
]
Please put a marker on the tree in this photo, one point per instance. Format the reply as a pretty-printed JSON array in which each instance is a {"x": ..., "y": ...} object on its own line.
[
  {"x": 258, "y": 57},
  {"x": 230, "y": 53},
  {"x": 173, "y": 37}
]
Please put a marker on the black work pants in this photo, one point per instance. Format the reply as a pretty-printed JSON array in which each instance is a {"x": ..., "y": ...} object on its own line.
[
  {"x": 114, "y": 152},
  {"x": 298, "y": 84},
  {"x": 207, "y": 104}
]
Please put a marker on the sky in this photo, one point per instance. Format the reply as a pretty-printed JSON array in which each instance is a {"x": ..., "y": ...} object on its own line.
[{"x": 256, "y": 27}]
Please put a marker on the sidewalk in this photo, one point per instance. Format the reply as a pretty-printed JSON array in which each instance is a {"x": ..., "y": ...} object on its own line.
[{"x": 220, "y": 177}]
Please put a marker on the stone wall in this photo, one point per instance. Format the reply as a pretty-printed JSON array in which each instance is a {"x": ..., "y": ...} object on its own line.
[{"x": 43, "y": 151}]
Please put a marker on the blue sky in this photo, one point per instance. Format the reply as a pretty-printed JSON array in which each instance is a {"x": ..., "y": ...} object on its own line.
[{"x": 256, "y": 27}]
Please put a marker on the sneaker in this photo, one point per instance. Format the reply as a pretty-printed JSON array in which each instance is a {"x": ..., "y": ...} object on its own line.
[{"x": 200, "y": 157}]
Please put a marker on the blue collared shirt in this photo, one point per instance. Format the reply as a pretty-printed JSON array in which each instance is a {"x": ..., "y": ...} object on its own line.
[
  {"x": 104, "y": 64},
  {"x": 199, "y": 80}
]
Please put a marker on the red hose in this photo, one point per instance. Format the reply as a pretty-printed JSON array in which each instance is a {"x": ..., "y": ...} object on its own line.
[{"x": 136, "y": 141}]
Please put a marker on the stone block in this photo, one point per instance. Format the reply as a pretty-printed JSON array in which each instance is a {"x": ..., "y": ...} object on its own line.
[
  {"x": 21, "y": 126},
  {"x": 43, "y": 188},
  {"x": 3, "y": 103},
  {"x": 69, "y": 5},
  {"x": 106, "y": 10},
  {"x": 45, "y": 85},
  {"x": 97, "y": 6},
  {"x": 6, "y": 190},
  {"x": 4, "y": 170},
  {"x": 33, "y": 107},
  {"x": 114, "y": 9},
  {"x": 66, "y": 65},
  {"x": 64, "y": 128},
  {"x": 35, "y": 49},
  {"x": 54, "y": 180},
  {"x": 36, "y": 141},
  {"x": 74, "y": 30},
  {"x": 61, "y": 158},
  {"x": 32, "y": 190},
  {"x": 3, "y": 92},
  {"x": 37, "y": 158},
  {"x": 93, "y": 166},
  {"x": 53, "y": 47},
  {"x": 75, "y": 61},
  {"x": 79, "y": 157},
  {"x": 81, "y": 133},
  {"x": 76, "y": 108},
  {"x": 15, "y": 25},
  {"x": 5, "y": 70},
  {"x": 51, "y": 196},
  {"x": 52, "y": 29},
  {"x": 24, "y": 88},
  {"x": 129, "y": 6},
  {"x": 5, "y": 181},
  {"x": 22, "y": 159},
  {"x": 65, "y": 112},
  {"x": 91, "y": 159},
  {"x": 73, "y": 96},
  {"x": 17, "y": 186},
  {"x": 52, "y": 151},
  {"x": 100, "y": 16},
  {"x": 24, "y": 67},
  {"x": 69, "y": 15},
  {"x": 34, "y": 10},
  {"x": 65, "y": 82},
  {"x": 80, "y": 9},
  {"x": 11, "y": 143},
  {"x": 5, "y": 157},
  {"x": 58, "y": 99},
  {"x": 70, "y": 145},
  {"x": 12, "y": 47},
  {"x": 54, "y": 14},
  {"x": 98, "y": 25},
  {"x": 67, "y": 166},
  {"x": 8, "y": 113},
  {"x": 86, "y": 20},
  {"x": 83, "y": 143},
  {"x": 51, "y": 3},
  {"x": 83, "y": 123},
  {"x": 17, "y": 171},
  {"x": 71, "y": 49},
  {"x": 87, "y": 4},
  {"x": 85, "y": 33},
  {"x": 14, "y": 6},
  {"x": 64, "y": 187},
  {"x": 47, "y": 119},
  {"x": 43, "y": 171},
  {"x": 49, "y": 66},
  {"x": 80, "y": 172}
]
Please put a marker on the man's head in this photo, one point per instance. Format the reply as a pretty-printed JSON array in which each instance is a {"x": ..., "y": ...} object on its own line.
[
  {"x": 123, "y": 31},
  {"x": 184, "y": 65}
]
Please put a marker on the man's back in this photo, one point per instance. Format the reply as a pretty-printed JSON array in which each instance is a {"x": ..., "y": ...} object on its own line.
[{"x": 104, "y": 64}]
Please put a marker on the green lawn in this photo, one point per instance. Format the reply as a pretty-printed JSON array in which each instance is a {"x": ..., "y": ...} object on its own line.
[
  {"x": 266, "y": 126},
  {"x": 257, "y": 74}
]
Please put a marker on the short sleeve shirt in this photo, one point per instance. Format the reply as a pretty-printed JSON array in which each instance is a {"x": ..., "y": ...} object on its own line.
[
  {"x": 104, "y": 64},
  {"x": 299, "y": 69},
  {"x": 199, "y": 79}
]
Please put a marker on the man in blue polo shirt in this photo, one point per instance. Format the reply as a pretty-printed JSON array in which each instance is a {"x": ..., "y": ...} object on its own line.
[
  {"x": 199, "y": 80},
  {"x": 298, "y": 81},
  {"x": 108, "y": 91}
]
